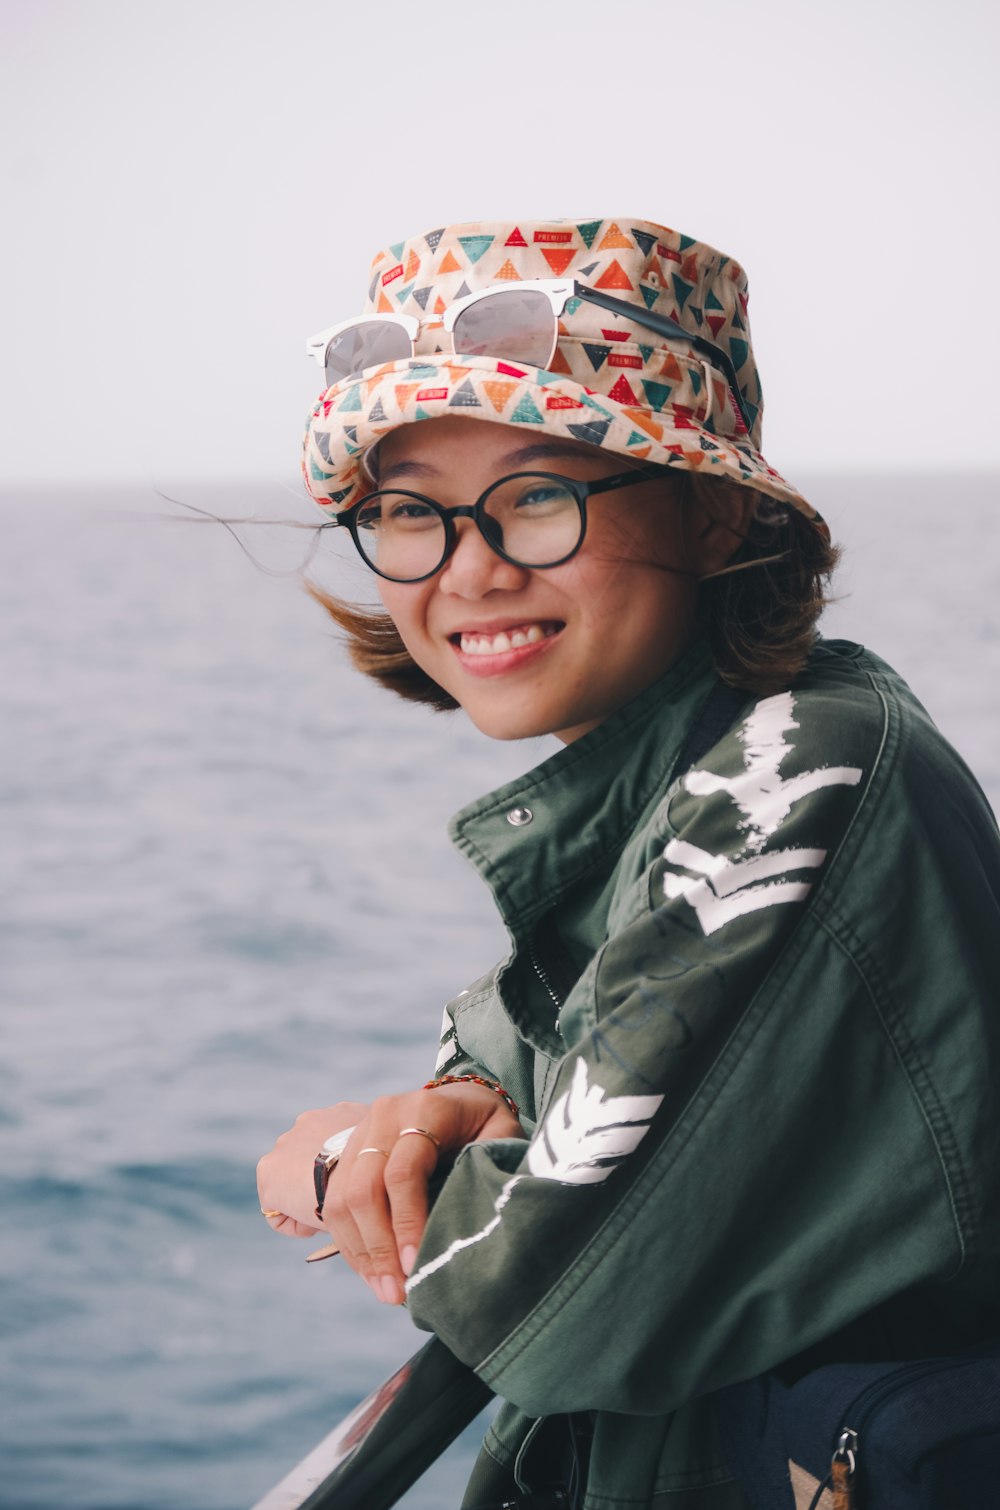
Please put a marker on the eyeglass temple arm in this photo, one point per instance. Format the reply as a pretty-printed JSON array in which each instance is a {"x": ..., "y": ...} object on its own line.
[{"x": 664, "y": 326}]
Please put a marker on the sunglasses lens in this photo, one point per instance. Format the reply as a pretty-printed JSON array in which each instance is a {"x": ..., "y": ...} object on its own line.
[
  {"x": 367, "y": 344},
  {"x": 516, "y": 325},
  {"x": 402, "y": 536}
]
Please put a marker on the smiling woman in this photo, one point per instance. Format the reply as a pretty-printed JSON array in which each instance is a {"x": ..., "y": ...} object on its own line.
[{"x": 754, "y": 866}]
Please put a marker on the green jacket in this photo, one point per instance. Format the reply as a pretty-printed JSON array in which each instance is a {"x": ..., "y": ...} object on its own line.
[{"x": 750, "y": 1017}]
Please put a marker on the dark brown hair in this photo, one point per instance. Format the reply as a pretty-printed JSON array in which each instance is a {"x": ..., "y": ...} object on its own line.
[{"x": 758, "y": 615}]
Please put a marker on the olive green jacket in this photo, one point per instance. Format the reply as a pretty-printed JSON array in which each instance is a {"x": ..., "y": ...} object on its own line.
[{"x": 750, "y": 1015}]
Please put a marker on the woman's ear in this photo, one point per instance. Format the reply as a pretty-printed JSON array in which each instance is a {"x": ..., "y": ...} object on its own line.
[{"x": 718, "y": 519}]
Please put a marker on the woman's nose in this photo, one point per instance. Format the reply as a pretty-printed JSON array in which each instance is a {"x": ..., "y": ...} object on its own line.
[{"x": 474, "y": 568}]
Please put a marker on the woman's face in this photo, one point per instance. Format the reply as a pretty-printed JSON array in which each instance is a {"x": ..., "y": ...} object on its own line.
[{"x": 525, "y": 651}]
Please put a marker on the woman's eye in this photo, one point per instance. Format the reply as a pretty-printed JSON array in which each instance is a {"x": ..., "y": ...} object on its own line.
[
  {"x": 543, "y": 498},
  {"x": 408, "y": 512}
]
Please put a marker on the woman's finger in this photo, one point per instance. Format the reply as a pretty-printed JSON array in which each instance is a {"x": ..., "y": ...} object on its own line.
[
  {"x": 413, "y": 1161},
  {"x": 368, "y": 1201}
]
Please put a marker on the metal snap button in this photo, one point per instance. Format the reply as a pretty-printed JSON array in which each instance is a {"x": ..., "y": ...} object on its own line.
[{"x": 519, "y": 816}]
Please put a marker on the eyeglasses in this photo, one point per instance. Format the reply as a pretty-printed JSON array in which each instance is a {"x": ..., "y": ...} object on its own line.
[
  {"x": 518, "y": 323},
  {"x": 532, "y": 519}
]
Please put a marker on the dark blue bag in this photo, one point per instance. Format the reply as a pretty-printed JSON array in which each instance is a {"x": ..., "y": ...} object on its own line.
[{"x": 923, "y": 1435}]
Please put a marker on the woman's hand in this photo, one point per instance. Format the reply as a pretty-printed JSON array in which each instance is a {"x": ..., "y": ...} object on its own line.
[
  {"x": 285, "y": 1175},
  {"x": 376, "y": 1201}
]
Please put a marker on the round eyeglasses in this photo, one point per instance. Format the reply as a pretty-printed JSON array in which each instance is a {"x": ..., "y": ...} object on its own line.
[{"x": 532, "y": 519}]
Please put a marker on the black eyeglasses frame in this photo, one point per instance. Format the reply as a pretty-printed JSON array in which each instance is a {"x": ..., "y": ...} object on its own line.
[{"x": 581, "y": 491}]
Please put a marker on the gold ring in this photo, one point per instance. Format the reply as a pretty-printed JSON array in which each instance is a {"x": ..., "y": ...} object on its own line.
[
  {"x": 423, "y": 1133},
  {"x": 372, "y": 1150},
  {"x": 269, "y": 1214}
]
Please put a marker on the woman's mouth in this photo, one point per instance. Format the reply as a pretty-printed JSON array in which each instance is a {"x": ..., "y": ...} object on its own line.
[
  {"x": 487, "y": 654},
  {"x": 472, "y": 643}
]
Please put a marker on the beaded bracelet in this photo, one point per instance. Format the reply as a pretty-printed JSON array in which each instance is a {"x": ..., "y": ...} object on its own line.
[{"x": 491, "y": 1085}]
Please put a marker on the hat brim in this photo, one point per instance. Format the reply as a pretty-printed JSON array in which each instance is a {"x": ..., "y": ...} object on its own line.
[{"x": 353, "y": 415}]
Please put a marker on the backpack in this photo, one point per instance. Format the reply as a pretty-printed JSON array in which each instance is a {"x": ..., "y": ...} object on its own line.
[{"x": 922, "y": 1435}]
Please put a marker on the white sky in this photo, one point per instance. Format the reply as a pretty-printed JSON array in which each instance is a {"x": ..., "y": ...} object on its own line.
[{"x": 193, "y": 187}]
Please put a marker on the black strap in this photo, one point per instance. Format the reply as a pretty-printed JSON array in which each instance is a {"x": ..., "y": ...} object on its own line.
[{"x": 714, "y": 719}]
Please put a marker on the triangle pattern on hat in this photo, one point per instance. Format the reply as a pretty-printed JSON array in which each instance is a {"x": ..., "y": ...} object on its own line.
[
  {"x": 715, "y": 323},
  {"x": 376, "y": 413},
  {"x": 515, "y": 238},
  {"x": 351, "y": 431},
  {"x": 498, "y": 393},
  {"x": 404, "y": 392},
  {"x": 613, "y": 239},
  {"x": 508, "y": 273},
  {"x": 614, "y": 276},
  {"x": 657, "y": 394},
  {"x": 558, "y": 363},
  {"x": 585, "y": 272},
  {"x": 384, "y": 307},
  {"x": 373, "y": 285},
  {"x": 558, "y": 258},
  {"x": 462, "y": 289},
  {"x": 350, "y": 401},
  {"x": 598, "y": 354},
  {"x": 433, "y": 237},
  {"x": 464, "y": 397},
  {"x": 739, "y": 351},
  {"x": 682, "y": 290},
  {"x": 588, "y": 230},
  {"x": 593, "y": 431},
  {"x": 527, "y": 412},
  {"x": 649, "y": 295},
  {"x": 449, "y": 263},
  {"x": 412, "y": 266},
  {"x": 402, "y": 294},
  {"x": 644, "y": 240},
  {"x": 396, "y": 251},
  {"x": 422, "y": 295},
  {"x": 622, "y": 392},
  {"x": 475, "y": 246}
]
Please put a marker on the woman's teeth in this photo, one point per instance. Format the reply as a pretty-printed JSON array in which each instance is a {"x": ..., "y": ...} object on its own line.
[{"x": 496, "y": 644}]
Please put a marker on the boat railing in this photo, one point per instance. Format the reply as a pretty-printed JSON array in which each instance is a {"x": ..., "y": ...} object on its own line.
[{"x": 380, "y": 1450}]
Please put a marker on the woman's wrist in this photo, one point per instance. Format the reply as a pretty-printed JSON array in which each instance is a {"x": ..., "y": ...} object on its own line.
[{"x": 492, "y": 1085}]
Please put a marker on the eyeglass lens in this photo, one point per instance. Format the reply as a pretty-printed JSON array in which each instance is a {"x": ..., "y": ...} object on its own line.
[{"x": 535, "y": 520}]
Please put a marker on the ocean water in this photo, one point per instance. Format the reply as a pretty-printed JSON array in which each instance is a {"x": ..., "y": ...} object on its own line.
[{"x": 227, "y": 896}]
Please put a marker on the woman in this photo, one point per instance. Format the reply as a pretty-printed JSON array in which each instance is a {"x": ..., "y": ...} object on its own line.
[{"x": 726, "y": 1107}]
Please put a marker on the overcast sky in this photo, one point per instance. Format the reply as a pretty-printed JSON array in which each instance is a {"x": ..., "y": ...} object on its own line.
[{"x": 193, "y": 187}]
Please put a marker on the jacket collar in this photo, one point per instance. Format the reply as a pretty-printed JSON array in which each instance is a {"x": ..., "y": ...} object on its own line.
[{"x": 535, "y": 837}]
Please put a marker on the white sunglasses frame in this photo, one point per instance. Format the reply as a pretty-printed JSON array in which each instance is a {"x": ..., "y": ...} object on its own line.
[{"x": 558, "y": 291}]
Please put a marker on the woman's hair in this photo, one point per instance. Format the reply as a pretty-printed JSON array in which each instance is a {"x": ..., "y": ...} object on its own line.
[{"x": 758, "y": 614}]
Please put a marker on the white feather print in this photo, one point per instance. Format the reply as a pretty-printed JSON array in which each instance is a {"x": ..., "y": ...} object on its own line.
[{"x": 587, "y": 1134}]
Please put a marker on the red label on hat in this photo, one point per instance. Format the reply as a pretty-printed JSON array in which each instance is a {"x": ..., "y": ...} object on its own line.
[
  {"x": 616, "y": 335},
  {"x": 558, "y": 401},
  {"x": 394, "y": 272},
  {"x": 426, "y": 394},
  {"x": 665, "y": 251},
  {"x": 624, "y": 359},
  {"x": 554, "y": 238}
]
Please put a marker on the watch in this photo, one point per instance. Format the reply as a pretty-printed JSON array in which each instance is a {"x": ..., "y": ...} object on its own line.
[{"x": 326, "y": 1162}]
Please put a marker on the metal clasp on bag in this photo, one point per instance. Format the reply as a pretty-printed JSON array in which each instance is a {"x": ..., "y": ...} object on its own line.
[{"x": 846, "y": 1450}]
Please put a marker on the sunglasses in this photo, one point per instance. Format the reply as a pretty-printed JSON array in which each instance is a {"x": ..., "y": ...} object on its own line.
[{"x": 517, "y": 323}]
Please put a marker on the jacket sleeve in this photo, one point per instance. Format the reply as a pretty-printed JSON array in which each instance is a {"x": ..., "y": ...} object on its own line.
[{"x": 736, "y": 1158}]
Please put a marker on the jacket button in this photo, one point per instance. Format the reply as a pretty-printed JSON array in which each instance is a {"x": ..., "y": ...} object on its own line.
[{"x": 519, "y": 816}]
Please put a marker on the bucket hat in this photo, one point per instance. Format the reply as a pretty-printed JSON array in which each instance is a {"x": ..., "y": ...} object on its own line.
[{"x": 689, "y": 399}]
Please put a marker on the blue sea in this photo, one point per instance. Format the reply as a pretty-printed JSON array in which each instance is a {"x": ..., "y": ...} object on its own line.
[{"x": 228, "y": 896}]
